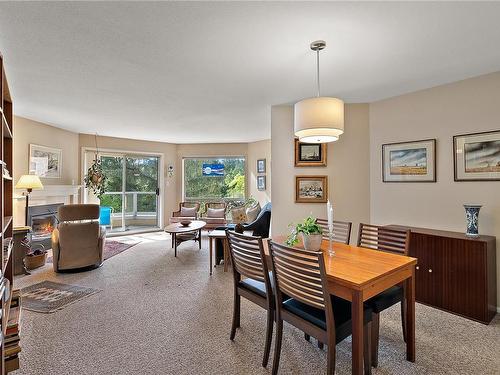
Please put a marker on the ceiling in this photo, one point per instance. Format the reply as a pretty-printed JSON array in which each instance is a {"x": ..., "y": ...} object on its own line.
[{"x": 209, "y": 72}]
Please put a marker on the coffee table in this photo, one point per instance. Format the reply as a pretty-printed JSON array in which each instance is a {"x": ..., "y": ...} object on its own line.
[{"x": 176, "y": 228}]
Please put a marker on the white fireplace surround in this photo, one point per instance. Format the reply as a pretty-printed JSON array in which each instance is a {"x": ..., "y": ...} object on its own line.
[{"x": 67, "y": 194}]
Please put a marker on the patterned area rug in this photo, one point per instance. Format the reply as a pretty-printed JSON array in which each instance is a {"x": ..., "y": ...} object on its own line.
[
  {"x": 48, "y": 297},
  {"x": 111, "y": 248}
]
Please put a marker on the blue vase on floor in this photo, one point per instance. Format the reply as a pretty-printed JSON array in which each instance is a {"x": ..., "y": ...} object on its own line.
[{"x": 472, "y": 217}]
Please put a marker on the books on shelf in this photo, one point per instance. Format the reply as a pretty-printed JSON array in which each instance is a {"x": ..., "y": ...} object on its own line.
[{"x": 12, "y": 334}]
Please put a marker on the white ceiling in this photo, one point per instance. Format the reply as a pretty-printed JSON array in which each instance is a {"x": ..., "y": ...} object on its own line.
[{"x": 209, "y": 72}]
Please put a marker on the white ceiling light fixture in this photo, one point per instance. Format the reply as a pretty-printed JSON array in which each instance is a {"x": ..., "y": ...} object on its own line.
[{"x": 319, "y": 119}]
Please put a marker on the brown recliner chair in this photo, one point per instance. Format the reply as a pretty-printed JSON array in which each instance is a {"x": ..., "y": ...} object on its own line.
[{"x": 78, "y": 240}]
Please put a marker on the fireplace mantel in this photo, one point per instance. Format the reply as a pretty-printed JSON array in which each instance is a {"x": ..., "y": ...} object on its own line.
[{"x": 67, "y": 194}]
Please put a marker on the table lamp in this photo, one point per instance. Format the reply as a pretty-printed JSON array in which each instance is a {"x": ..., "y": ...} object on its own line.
[{"x": 28, "y": 182}]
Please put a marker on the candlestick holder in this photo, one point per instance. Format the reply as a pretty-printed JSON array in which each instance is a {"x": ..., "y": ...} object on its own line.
[{"x": 331, "y": 252}]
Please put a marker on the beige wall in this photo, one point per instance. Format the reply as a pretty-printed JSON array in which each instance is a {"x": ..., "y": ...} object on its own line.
[
  {"x": 468, "y": 106},
  {"x": 167, "y": 151},
  {"x": 347, "y": 170},
  {"x": 28, "y": 131},
  {"x": 259, "y": 150}
]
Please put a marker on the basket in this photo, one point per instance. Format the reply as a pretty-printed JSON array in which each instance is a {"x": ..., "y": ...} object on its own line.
[{"x": 34, "y": 261}]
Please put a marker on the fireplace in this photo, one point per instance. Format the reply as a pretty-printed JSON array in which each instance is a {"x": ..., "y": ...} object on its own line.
[{"x": 42, "y": 220}]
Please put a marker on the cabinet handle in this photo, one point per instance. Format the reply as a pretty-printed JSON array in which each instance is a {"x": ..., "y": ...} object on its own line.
[
  {"x": 417, "y": 267},
  {"x": 430, "y": 269}
]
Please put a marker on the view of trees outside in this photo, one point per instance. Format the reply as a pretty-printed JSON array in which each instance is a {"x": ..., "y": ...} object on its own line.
[
  {"x": 201, "y": 188},
  {"x": 141, "y": 175}
]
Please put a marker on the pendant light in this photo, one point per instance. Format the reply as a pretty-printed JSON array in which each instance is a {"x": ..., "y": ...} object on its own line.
[{"x": 319, "y": 119}]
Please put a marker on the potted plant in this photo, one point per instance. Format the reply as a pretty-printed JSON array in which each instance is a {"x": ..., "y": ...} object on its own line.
[
  {"x": 311, "y": 232},
  {"x": 35, "y": 258}
]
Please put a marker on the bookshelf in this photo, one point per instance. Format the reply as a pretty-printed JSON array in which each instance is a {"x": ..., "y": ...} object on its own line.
[{"x": 11, "y": 302}]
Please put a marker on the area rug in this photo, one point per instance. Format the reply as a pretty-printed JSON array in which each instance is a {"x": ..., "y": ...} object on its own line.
[
  {"x": 111, "y": 248},
  {"x": 48, "y": 297}
]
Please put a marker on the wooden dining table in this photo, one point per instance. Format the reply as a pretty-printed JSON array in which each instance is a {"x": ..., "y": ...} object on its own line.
[{"x": 357, "y": 274}]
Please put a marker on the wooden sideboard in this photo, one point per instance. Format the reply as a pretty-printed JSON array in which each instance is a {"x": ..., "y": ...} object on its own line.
[{"x": 455, "y": 273}]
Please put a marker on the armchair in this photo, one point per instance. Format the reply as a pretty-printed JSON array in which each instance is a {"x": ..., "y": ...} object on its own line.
[
  {"x": 215, "y": 214},
  {"x": 78, "y": 240},
  {"x": 187, "y": 211}
]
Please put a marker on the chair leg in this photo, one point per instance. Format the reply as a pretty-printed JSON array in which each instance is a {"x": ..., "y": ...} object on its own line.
[
  {"x": 330, "y": 359},
  {"x": 199, "y": 240},
  {"x": 367, "y": 333},
  {"x": 307, "y": 337},
  {"x": 374, "y": 338},
  {"x": 277, "y": 345},
  {"x": 236, "y": 315},
  {"x": 269, "y": 336},
  {"x": 320, "y": 345},
  {"x": 403, "y": 318}
]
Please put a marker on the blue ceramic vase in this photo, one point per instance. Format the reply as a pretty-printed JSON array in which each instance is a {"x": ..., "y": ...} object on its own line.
[{"x": 472, "y": 217}]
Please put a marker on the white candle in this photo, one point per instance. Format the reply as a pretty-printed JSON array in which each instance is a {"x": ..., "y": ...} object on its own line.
[{"x": 329, "y": 213}]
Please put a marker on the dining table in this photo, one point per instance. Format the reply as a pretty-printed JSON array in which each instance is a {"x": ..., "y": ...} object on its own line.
[{"x": 357, "y": 274}]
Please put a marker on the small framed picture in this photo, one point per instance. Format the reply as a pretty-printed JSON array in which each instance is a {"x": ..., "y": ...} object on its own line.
[
  {"x": 310, "y": 154},
  {"x": 261, "y": 166},
  {"x": 261, "y": 183},
  {"x": 45, "y": 162},
  {"x": 477, "y": 156},
  {"x": 311, "y": 189},
  {"x": 409, "y": 161}
]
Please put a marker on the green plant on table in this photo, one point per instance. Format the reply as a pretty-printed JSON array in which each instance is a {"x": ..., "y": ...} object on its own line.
[{"x": 308, "y": 226}]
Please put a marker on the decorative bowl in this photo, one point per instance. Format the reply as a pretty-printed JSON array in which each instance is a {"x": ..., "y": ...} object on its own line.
[{"x": 185, "y": 223}]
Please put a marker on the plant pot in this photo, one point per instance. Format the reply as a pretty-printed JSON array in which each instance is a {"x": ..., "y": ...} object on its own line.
[
  {"x": 34, "y": 261},
  {"x": 312, "y": 242}
]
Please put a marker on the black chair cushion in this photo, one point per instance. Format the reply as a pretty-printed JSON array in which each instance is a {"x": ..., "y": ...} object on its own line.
[
  {"x": 341, "y": 313},
  {"x": 386, "y": 299},
  {"x": 255, "y": 286}
]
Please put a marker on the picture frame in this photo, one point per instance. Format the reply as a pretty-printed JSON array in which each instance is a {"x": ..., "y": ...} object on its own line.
[
  {"x": 261, "y": 165},
  {"x": 45, "y": 162},
  {"x": 261, "y": 183},
  {"x": 311, "y": 189},
  {"x": 310, "y": 154},
  {"x": 476, "y": 156},
  {"x": 411, "y": 161}
]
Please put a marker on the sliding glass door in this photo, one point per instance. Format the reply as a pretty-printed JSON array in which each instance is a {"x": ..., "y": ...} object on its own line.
[{"x": 132, "y": 190}]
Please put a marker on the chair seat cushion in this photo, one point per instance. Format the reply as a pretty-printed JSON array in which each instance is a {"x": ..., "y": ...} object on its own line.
[
  {"x": 341, "y": 313},
  {"x": 255, "y": 286},
  {"x": 385, "y": 299}
]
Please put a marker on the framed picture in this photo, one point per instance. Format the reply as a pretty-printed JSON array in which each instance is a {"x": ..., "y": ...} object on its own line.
[
  {"x": 261, "y": 183},
  {"x": 477, "y": 156},
  {"x": 45, "y": 162},
  {"x": 311, "y": 189},
  {"x": 310, "y": 154},
  {"x": 409, "y": 161},
  {"x": 261, "y": 166}
]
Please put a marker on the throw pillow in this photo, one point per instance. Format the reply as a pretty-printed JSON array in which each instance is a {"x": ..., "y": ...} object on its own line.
[
  {"x": 253, "y": 212},
  {"x": 188, "y": 211},
  {"x": 238, "y": 215},
  {"x": 216, "y": 212}
]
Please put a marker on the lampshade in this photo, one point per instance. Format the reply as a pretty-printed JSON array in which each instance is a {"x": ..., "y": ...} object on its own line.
[
  {"x": 319, "y": 120},
  {"x": 29, "y": 181}
]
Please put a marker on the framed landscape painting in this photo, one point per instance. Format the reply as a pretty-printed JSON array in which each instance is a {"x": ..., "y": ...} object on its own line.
[
  {"x": 310, "y": 154},
  {"x": 45, "y": 162},
  {"x": 477, "y": 156},
  {"x": 311, "y": 189},
  {"x": 409, "y": 161}
]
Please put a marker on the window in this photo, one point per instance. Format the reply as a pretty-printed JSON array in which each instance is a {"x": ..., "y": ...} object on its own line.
[{"x": 214, "y": 178}]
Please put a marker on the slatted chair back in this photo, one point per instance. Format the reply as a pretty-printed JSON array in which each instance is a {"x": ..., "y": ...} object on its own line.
[
  {"x": 341, "y": 230},
  {"x": 384, "y": 238},
  {"x": 190, "y": 205},
  {"x": 297, "y": 273},
  {"x": 247, "y": 254}
]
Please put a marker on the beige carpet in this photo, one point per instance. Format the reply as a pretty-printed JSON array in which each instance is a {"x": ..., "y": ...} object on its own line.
[{"x": 158, "y": 314}]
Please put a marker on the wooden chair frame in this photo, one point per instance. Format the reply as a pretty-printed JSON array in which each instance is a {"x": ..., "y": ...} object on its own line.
[
  {"x": 341, "y": 230},
  {"x": 301, "y": 275},
  {"x": 249, "y": 260},
  {"x": 391, "y": 240}
]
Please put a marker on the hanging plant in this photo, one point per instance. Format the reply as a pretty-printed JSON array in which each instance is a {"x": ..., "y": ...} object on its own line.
[{"x": 95, "y": 179}]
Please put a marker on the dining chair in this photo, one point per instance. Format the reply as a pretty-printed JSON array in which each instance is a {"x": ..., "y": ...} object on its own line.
[
  {"x": 341, "y": 234},
  {"x": 392, "y": 240},
  {"x": 341, "y": 230},
  {"x": 247, "y": 255},
  {"x": 301, "y": 275}
]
